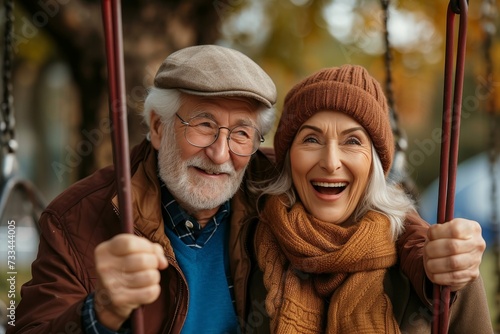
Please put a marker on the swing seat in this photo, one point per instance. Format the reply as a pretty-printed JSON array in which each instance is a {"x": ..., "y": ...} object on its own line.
[{"x": 21, "y": 205}]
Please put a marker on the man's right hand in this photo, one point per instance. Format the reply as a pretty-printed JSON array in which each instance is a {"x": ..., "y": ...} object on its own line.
[{"x": 128, "y": 276}]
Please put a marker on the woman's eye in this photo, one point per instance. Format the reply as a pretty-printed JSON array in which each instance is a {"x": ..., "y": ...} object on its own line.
[
  {"x": 310, "y": 140},
  {"x": 353, "y": 141}
]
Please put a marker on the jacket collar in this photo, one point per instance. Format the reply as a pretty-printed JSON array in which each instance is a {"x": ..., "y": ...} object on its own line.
[{"x": 146, "y": 199}]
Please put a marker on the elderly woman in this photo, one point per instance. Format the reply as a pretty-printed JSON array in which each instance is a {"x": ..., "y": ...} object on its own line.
[{"x": 327, "y": 241}]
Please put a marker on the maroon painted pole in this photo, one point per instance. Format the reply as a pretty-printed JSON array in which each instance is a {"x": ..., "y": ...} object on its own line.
[
  {"x": 449, "y": 145},
  {"x": 111, "y": 12}
]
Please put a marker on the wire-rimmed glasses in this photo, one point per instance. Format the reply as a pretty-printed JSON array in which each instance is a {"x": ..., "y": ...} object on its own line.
[{"x": 201, "y": 131}]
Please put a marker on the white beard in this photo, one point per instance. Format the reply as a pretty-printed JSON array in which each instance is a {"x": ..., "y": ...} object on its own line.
[{"x": 194, "y": 192}]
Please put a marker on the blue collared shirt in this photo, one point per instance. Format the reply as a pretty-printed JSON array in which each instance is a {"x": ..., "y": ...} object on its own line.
[{"x": 187, "y": 227}]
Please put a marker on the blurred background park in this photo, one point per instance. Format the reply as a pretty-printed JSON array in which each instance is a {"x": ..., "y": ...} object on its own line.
[{"x": 60, "y": 101}]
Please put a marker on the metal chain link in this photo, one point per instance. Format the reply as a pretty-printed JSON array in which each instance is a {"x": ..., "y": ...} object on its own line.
[
  {"x": 388, "y": 58},
  {"x": 398, "y": 171},
  {"x": 7, "y": 123}
]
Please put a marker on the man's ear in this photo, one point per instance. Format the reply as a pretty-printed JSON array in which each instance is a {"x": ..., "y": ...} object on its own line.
[{"x": 155, "y": 129}]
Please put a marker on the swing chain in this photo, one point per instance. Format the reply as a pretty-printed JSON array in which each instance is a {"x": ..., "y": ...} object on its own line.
[
  {"x": 398, "y": 171},
  {"x": 387, "y": 56},
  {"x": 401, "y": 143},
  {"x": 7, "y": 122}
]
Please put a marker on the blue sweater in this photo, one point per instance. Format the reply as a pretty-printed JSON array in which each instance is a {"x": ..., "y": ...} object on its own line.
[{"x": 206, "y": 269}]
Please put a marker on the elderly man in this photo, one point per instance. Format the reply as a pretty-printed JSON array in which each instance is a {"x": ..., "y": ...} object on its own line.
[{"x": 190, "y": 263}]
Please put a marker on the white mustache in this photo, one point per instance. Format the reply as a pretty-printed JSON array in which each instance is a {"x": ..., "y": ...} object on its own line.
[{"x": 202, "y": 163}]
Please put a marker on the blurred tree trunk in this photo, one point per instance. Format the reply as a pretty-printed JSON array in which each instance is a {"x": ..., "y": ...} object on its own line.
[{"x": 151, "y": 31}]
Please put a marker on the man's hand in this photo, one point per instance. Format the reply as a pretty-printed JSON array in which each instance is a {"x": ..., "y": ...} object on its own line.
[
  {"x": 128, "y": 276},
  {"x": 453, "y": 252}
]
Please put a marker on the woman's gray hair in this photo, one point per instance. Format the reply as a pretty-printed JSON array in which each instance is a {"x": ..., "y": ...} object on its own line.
[
  {"x": 381, "y": 195},
  {"x": 387, "y": 197},
  {"x": 166, "y": 102}
]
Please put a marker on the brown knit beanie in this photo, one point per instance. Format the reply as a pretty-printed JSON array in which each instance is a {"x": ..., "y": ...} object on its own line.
[{"x": 349, "y": 89}]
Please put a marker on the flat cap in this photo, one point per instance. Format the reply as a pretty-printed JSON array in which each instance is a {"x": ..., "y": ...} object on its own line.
[{"x": 212, "y": 70}]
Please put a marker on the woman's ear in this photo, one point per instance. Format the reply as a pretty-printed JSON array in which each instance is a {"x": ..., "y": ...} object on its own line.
[{"x": 155, "y": 129}]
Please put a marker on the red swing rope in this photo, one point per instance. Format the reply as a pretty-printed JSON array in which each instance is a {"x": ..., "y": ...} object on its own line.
[
  {"x": 449, "y": 145},
  {"x": 111, "y": 11}
]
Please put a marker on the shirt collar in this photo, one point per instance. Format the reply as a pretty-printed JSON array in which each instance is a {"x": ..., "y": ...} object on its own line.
[{"x": 176, "y": 215}]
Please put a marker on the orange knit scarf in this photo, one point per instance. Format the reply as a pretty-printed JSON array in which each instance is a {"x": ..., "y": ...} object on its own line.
[{"x": 325, "y": 278}]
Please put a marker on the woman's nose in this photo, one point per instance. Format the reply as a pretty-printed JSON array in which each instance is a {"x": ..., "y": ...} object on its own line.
[{"x": 330, "y": 160}]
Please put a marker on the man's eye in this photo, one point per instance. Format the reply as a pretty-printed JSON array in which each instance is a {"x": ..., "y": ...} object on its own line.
[
  {"x": 203, "y": 123},
  {"x": 241, "y": 134},
  {"x": 206, "y": 124}
]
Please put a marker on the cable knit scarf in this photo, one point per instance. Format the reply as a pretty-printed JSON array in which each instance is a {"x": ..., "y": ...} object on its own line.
[{"x": 325, "y": 278}]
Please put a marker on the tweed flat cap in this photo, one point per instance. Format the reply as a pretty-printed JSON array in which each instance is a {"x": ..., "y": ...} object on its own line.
[{"x": 212, "y": 70}]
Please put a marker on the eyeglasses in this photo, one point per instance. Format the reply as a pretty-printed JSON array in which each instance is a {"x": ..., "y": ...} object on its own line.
[{"x": 201, "y": 131}]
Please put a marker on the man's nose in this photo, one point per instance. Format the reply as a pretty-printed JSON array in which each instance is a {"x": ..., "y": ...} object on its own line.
[{"x": 219, "y": 151}]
